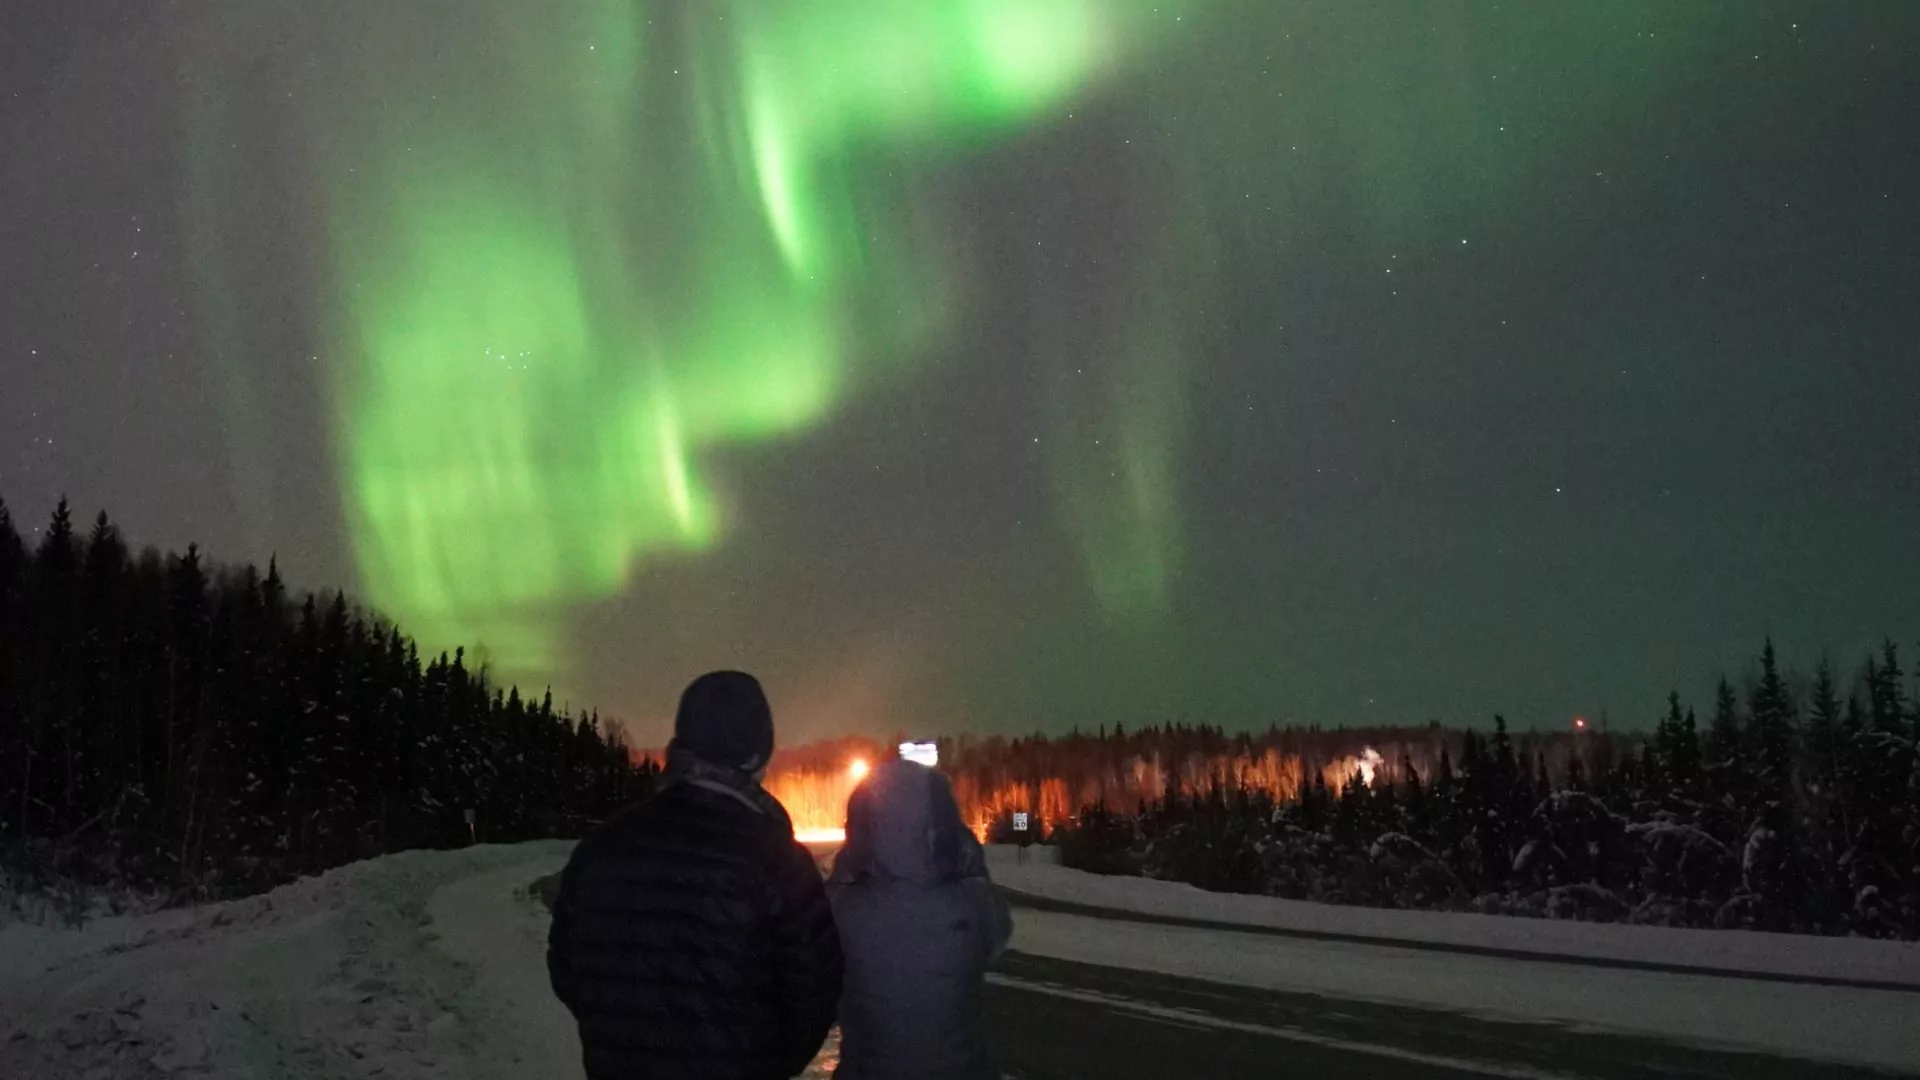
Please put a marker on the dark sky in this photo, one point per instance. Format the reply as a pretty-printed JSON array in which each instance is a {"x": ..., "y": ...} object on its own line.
[{"x": 1246, "y": 362}]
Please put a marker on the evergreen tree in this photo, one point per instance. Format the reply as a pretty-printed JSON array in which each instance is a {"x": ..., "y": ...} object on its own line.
[
  {"x": 167, "y": 726},
  {"x": 1772, "y": 715},
  {"x": 1688, "y": 766},
  {"x": 1506, "y": 764},
  {"x": 1508, "y": 803},
  {"x": 1678, "y": 752},
  {"x": 1317, "y": 802},
  {"x": 13, "y": 560},
  {"x": 1884, "y": 878},
  {"x": 1853, "y": 760},
  {"x": 1351, "y": 826},
  {"x": 1886, "y": 693},
  {"x": 13, "y": 732},
  {"x": 1576, "y": 773},
  {"x": 58, "y": 556},
  {"x": 1723, "y": 749},
  {"x": 203, "y": 732},
  {"x": 1413, "y": 799},
  {"x": 96, "y": 731},
  {"x": 1661, "y": 779},
  {"x": 1825, "y": 734},
  {"x": 51, "y": 681}
]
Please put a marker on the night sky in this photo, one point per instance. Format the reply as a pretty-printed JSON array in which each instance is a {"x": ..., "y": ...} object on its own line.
[{"x": 989, "y": 364}]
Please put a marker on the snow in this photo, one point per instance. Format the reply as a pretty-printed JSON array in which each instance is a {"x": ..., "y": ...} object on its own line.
[
  {"x": 1870, "y": 1027},
  {"x": 426, "y": 965},
  {"x": 1861, "y": 1026},
  {"x": 431, "y": 965},
  {"x": 1724, "y": 950}
]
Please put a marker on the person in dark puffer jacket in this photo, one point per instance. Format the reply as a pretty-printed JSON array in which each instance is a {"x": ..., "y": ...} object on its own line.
[{"x": 692, "y": 935}]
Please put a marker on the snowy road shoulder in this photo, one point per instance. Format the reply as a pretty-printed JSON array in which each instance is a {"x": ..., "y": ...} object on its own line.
[
  {"x": 1054, "y": 1019},
  {"x": 342, "y": 975},
  {"x": 1862, "y": 1027},
  {"x": 494, "y": 932},
  {"x": 1843, "y": 960},
  {"x": 426, "y": 965},
  {"x": 431, "y": 966},
  {"x": 1388, "y": 957}
]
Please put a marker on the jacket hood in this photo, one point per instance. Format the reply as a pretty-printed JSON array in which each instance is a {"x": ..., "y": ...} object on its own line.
[
  {"x": 724, "y": 719},
  {"x": 686, "y": 767},
  {"x": 903, "y": 824}
]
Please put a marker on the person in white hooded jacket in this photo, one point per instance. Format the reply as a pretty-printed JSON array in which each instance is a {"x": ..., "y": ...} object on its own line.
[{"x": 919, "y": 922}]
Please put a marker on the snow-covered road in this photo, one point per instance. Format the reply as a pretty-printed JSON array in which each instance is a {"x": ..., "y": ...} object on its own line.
[
  {"x": 419, "y": 966},
  {"x": 416, "y": 965},
  {"x": 1864, "y": 1026},
  {"x": 430, "y": 966},
  {"x": 1779, "y": 997}
]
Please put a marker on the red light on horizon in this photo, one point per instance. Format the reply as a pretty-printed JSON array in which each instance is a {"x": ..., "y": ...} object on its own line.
[{"x": 1579, "y": 723}]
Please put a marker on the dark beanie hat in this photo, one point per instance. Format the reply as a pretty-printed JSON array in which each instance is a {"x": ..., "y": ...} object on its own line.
[{"x": 724, "y": 719}]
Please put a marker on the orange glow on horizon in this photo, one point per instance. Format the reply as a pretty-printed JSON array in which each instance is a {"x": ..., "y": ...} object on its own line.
[{"x": 816, "y": 798}]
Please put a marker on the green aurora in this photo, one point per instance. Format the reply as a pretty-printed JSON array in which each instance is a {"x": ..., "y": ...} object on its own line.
[
  {"x": 577, "y": 246},
  {"x": 571, "y": 250}
]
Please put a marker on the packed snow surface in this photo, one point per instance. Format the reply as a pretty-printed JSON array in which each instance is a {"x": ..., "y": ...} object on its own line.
[
  {"x": 1721, "y": 950},
  {"x": 431, "y": 965},
  {"x": 1862, "y": 1026},
  {"x": 424, "y": 965}
]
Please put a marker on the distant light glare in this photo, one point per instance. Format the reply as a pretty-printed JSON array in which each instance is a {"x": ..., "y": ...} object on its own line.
[
  {"x": 1370, "y": 760},
  {"x": 859, "y": 769}
]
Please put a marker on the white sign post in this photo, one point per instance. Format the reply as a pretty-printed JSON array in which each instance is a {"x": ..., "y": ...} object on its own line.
[
  {"x": 1020, "y": 821},
  {"x": 1025, "y": 838},
  {"x": 472, "y": 837}
]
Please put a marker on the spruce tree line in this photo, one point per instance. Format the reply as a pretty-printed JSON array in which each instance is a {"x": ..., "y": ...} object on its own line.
[
  {"x": 199, "y": 732},
  {"x": 1789, "y": 812},
  {"x": 1138, "y": 768}
]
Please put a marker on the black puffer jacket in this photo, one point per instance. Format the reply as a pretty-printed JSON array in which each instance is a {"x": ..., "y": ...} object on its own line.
[{"x": 692, "y": 938}]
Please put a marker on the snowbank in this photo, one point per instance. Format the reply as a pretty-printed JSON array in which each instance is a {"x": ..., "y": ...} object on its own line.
[
  {"x": 431, "y": 965},
  {"x": 425, "y": 965},
  {"x": 1851, "y": 959},
  {"x": 1809, "y": 1023},
  {"x": 1010, "y": 855}
]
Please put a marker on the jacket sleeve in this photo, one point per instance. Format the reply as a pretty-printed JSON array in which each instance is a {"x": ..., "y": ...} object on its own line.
[
  {"x": 806, "y": 957},
  {"x": 991, "y": 914},
  {"x": 990, "y": 909},
  {"x": 560, "y": 971}
]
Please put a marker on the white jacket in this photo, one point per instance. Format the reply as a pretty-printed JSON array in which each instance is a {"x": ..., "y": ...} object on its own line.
[{"x": 919, "y": 923}]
